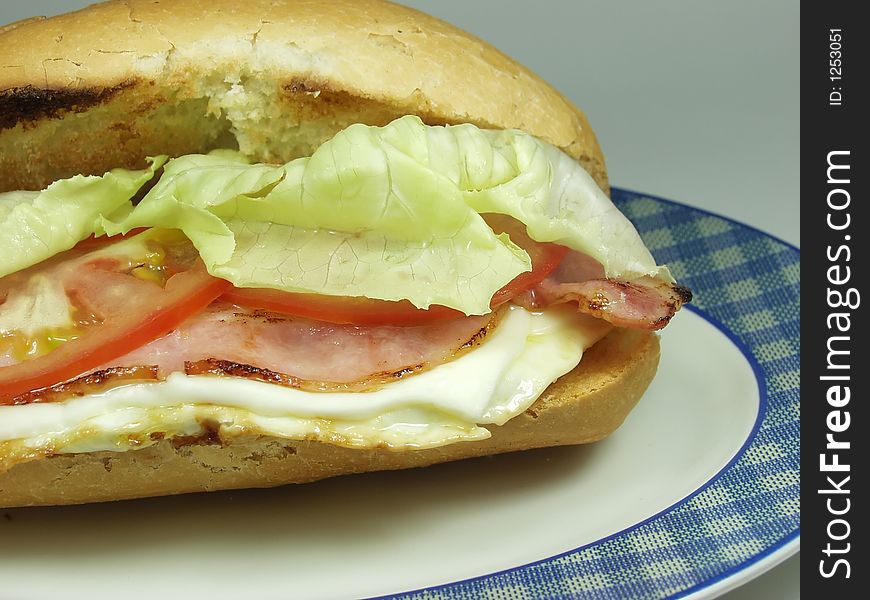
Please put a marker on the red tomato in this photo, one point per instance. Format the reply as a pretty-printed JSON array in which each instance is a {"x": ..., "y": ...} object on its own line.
[
  {"x": 545, "y": 257},
  {"x": 365, "y": 311},
  {"x": 119, "y": 307}
]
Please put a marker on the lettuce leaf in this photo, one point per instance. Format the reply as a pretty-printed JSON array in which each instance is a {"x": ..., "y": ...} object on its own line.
[
  {"x": 35, "y": 226},
  {"x": 559, "y": 202},
  {"x": 388, "y": 212},
  {"x": 358, "y": 218}
]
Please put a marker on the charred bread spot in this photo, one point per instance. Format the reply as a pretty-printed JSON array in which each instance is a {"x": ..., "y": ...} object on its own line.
[
  {"x": 88, "y": 384},
  {"x": 210, "y": 436},
  {"x": 29, "y": 103},
  {"x": 311, "y": 100},
  {"x": 272, "y": 451},
  {"x": 303, "y": 86}
]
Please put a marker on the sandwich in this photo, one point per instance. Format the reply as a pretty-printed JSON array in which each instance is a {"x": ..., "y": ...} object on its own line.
[{"x": 246, "y": 245}]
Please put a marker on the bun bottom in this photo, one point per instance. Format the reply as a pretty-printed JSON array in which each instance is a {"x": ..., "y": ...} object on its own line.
[{"x": 583, "y": 406}]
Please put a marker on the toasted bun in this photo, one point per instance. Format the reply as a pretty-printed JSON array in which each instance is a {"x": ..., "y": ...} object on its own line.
[
  {"x": 109, "y": 85},
  {"x": 116, "y": 82},
  {"x": 584, "y": 406}
]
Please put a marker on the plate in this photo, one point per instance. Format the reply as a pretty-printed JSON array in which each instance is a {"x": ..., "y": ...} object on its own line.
[{"x": 695, "y": 493}]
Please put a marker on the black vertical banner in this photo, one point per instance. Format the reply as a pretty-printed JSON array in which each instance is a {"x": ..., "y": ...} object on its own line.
[{"x": 835, "y": 366}]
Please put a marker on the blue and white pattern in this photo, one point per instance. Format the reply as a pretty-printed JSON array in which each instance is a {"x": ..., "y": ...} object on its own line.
[{"x": 749, "y": 284}]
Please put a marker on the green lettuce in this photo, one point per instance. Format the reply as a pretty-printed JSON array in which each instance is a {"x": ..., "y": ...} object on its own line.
[
  {"x": 358, "y": 218},
  {"x": 388, "y": 212},
  {"x": 35, "y": 226}
]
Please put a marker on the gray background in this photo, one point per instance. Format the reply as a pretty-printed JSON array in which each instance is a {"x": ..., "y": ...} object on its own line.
[{"x": 697, "y": 101}]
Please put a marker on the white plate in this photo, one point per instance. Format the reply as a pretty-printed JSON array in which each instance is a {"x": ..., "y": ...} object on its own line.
[{"x": 662, "y": 507}]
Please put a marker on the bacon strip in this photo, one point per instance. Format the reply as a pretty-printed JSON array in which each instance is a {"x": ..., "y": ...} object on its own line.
[
  {"x": 644, "y": 303},
  {"x": 305, "y": 353},
  {"x": 638, "y": 305},
  {"x": 98, "y": 381},
  {"x": 282, "y": 349},
  {"x": 213, "y": 366}
]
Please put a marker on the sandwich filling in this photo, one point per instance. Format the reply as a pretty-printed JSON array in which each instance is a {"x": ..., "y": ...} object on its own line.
[
  {"x": 331, "y": 298},
  {"x": 446, "y": 404}
]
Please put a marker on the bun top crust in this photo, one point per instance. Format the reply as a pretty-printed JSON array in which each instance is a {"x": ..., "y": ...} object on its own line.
[{"x": 122, "y": 79}]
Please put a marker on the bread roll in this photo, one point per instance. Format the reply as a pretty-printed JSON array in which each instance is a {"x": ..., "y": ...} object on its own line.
[
  {"x": 118, "y": 81},
  {"x": 111, "y": 84}
]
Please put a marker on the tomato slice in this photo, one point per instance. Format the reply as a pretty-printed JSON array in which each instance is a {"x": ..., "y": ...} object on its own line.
[
  {"x": 123, "y": 299},
  {"x": 365, "y": 311},
  {"x": 545, "y": 258}
]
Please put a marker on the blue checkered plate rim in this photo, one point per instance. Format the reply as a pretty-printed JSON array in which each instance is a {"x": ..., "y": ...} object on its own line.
[{"x": 747, "y": 284}]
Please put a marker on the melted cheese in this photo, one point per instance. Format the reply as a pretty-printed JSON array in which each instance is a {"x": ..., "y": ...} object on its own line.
[{"x": 447, "y": 404}]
